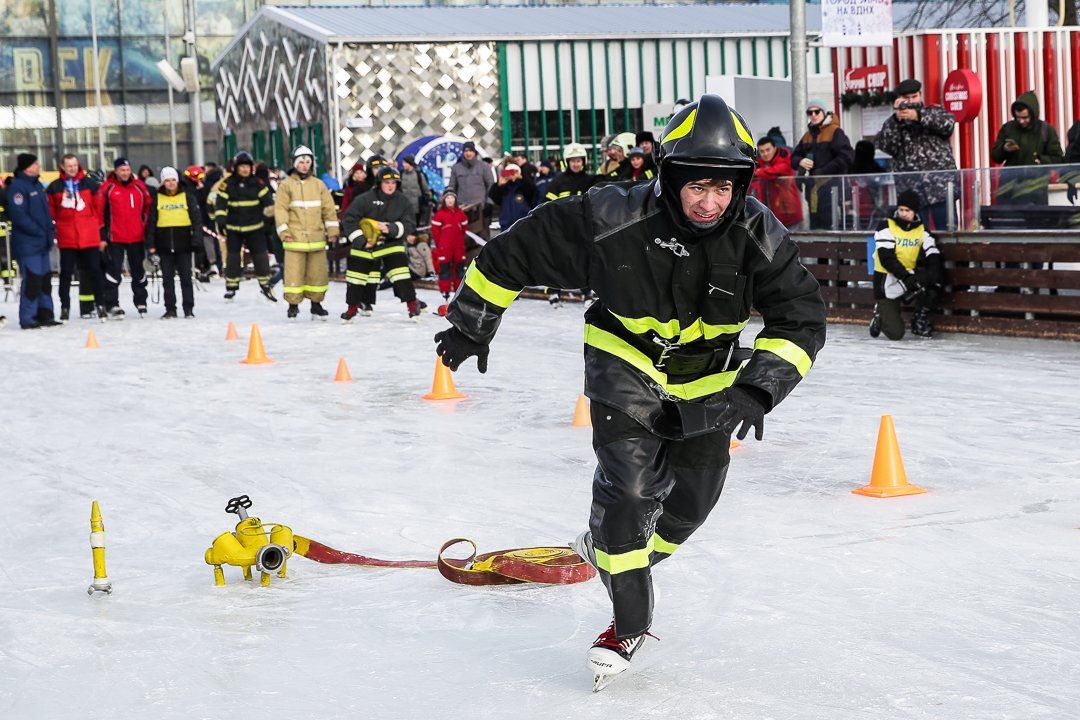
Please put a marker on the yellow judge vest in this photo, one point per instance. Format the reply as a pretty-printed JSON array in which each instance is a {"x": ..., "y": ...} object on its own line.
[
  {"x": 908, "y": 244},
  {"x": 172, "y": 210}
]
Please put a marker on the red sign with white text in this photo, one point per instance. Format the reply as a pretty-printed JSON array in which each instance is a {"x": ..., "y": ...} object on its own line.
[
  {"x": 963, "y": 95},
  {"x": 867, "y": 79}
]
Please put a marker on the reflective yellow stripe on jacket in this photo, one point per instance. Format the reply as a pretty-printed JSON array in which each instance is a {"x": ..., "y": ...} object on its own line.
[
  {"x": 304, "y": 246},
  {"x": 489, "y": 291},
  {"x": 788, "y": 351},
  {"x": 671, "y": 329},
  {"x": 614, "y": 345}
]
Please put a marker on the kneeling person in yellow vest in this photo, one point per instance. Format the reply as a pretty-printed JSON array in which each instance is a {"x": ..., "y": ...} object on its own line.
[
  {"x": 907, "y": 268},
  {"x": 306, "y": 219}
]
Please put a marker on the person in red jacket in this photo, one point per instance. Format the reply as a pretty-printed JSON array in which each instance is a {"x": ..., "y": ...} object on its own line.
[
  {"x": 448, "y": 226},
  {"x": 78, "y": 234},
  {"x": 774, "y": 182},
  {"x": 123, "y": 204}
]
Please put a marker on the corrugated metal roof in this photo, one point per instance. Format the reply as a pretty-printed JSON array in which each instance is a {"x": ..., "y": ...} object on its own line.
[{"x": 362, "y": 24}]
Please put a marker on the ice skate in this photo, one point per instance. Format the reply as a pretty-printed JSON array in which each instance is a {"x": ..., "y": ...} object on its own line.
[
  {"x": 318, "y": 312},
  {"x": 609, "y": 657},
  {"x": 875, "y": 324},
  {"x": 65, "y": 313},
  {"x": 116, "y": 313},
  {"x": 921, "y": 325},
  {"x": 349, "y": 314},
  {"x": 268, "y": 293},
  {"x": 414, "y": 311},
  {"x": 293, "y": 312},
  {"x": 229, "y": 295},
  {"x": 583, "y": 546},
  {"x": 169, "y": 315},
  {"x": 141, "y": 310},
  {"x": 366, "y": 309}
]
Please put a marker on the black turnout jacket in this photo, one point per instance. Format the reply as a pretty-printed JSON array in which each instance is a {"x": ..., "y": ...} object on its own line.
[{"x": 662, "y": 340}]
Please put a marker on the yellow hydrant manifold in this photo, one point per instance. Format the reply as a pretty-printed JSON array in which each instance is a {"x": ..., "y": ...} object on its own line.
[
  {"x": 97, "y": 549},
  {"x": 267, "y": 546}
]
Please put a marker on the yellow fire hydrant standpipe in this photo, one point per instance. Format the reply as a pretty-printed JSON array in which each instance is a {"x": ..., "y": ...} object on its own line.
[
  {"x": 97, "y": 548},
  {"x": 253, "y": 543}
]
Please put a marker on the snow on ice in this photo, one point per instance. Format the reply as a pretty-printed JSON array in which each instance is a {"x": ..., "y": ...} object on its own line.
[{"x": 796, "y": 600}]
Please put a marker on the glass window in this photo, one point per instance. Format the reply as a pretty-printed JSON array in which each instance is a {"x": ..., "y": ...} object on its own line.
[{"x": 25, "y": 18}]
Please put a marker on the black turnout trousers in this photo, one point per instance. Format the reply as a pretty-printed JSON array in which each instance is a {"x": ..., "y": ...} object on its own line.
[{"x": 649, "y": 495}]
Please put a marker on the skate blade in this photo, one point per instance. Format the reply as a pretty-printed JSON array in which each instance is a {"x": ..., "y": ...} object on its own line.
[
  {"x": 606, "y": 666},
  {"x": 602, "y": 681}
]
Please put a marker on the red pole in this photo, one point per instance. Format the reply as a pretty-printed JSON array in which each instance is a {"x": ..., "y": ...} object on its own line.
[
  {"x": 932, "y": 66},
  {"x": 1049, "y": 63},
  {"x": 836, "y": 82},
  {"x": 894, "y": 66},
  {"x": 1075, "y": 43},
  {"x": 1021, "y": 60},
  {"x": 995, "y": 81}
]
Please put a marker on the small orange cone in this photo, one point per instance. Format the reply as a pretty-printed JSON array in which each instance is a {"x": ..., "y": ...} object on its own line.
[
  {"x": 442, "y": 387},
  {"x": 231, "y": 333},
  {"x": 888, "y": 478},
  {"x": 91, "y": 341},
  {"x": 734, "y": 444},
  {"x": 343, "y": 374},
  {"x": 256, "y": 352},
  {"x": 582, "y": 417}
]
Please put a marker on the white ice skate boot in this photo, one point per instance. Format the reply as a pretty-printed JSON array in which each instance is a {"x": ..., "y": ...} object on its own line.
[
  {"x": 609, "y": 657},
  {"x": 583, "y": 546}
]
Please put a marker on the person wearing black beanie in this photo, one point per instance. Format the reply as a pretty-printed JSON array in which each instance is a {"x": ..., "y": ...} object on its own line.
[
  {"x": 907, "y": 268},
  {"x": 23, "y": 161}
]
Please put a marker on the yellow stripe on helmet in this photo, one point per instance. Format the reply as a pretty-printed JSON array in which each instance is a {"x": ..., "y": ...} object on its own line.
[
  {"x": 744, "y": 134},
  {"x": 683, "y": 129}
]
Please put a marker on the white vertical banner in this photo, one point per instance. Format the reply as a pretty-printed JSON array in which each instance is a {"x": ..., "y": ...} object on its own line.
[{"x": 856, "y": 23}]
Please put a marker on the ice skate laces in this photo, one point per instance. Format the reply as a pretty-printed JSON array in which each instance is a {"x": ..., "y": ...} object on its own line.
[{"x": 624, "y": 647}]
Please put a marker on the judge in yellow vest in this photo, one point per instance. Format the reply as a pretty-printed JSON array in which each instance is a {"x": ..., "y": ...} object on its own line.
[
  {"x": 174, "y": 226},
  {"x": 907, "y": 268}
]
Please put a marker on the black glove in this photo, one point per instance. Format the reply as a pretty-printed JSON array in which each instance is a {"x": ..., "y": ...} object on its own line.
[
  {"x": 454, "y": 347},
  {"x": 745, "y": 409},
  {"x": 911, "y": 284}
]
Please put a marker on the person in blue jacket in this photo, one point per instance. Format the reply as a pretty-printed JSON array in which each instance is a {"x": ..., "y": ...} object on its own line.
[{"x": 32, "y": 236}]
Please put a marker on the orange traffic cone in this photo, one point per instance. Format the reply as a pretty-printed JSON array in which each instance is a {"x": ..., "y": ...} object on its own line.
[
  {"x": 442, "y": 387},
  {"x": 91, "y": 341},
  {"x": 343, "y": 374},
  {"x": 582, "y": 417},
  {"x": 231, "y": 333},
  {"x": 734, "y": 444},
  {"x": 888, "y": 478},
  {"x": 256, "y": 352}
]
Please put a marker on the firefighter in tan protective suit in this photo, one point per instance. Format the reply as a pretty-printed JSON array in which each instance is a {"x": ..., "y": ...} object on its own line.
[{"x": 306, "y": 220}]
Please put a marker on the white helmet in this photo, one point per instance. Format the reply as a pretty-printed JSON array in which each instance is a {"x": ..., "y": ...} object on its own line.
[
  {"x": 574, "y": 150},
  {"x": 301, "y": 151},
  {"x": 626, "y": 141}
]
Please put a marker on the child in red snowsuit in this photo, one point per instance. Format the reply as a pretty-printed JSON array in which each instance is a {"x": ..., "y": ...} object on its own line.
[{"x": 448, "y": 230}]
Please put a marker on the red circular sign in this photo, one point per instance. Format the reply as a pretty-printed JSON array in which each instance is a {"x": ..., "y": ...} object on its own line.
[{"x": 963, "y": 95}]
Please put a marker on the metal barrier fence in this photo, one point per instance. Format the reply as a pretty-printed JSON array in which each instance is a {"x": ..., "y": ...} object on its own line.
[{"x": 1024, "y": 197}]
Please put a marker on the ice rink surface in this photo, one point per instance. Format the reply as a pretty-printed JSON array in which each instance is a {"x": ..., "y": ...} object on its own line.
[{"x": 797, "y": 599}]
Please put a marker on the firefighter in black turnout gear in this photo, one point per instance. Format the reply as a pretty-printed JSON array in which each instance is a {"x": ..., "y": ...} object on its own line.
[
  {"x": 377, "y": 223},
  {"x": 243, "y": 205},
  {"x": 677, "y": 264}
]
